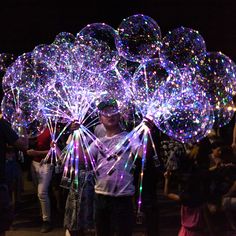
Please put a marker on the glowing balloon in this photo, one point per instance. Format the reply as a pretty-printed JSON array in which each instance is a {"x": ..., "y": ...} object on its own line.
[
  {"x": 140, "y": 38},
  {"x": 223, "y": 115},
  {"x": 181, "y": 45},
  {"x": 64, "y": 38},
  {"x": 190, "y": 115},
  {"x": 18, "y": 109},
  {"x": 215, "y": 72},
  {"x": 95, "y": 47},
  {"x": 148, "y": 79},
  {"x": 116, "y": 87},
  {"x": 48, "y": 54}
]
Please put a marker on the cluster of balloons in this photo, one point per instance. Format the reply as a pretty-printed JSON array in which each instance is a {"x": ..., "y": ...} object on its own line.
[{"x": 172, "y": 80}]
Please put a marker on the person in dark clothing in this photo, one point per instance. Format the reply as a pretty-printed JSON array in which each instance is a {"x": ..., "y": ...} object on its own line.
[
  {"x": 7, "y": 136},
  {"x": 193, "y": 197}
]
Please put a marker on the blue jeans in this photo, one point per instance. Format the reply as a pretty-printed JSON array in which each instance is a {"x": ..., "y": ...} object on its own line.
[
  {"x": 79, "y": 212},
  {"x": 42, "y": 175},
  {"x": 113, "y": 215}
]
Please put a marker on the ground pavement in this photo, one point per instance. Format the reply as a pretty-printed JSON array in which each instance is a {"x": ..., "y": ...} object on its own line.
[{"x": 27, "y": 219}]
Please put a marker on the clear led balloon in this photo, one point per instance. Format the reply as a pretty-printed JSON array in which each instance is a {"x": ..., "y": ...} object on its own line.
[
  {"x": 64, "y": 38},
  {"x": 67, "y": 65},
  {"x": 95, "y": 47},
  {"x": 14, "y": 72},
  {"x": 48, "y": 54},
  {"x": 181, "y": 45},
  {"x": 148, "y": 79},
  {"x": 21, "y": 75},
  {"x": 18, "y": 109},
  {"x": 215, "y": 73},
  {"x": 140, "y": 38},
  {"x": 223, "y": 115},
  {"x": 190, "y": 114},
  {"x": 8, "y": 79},
  {"x": 27, "y": 76},
  {"x": 90, "y": 81},
  {"x": 116, "y": 87},
  {"x": 66, "y": 102},
  {"x": 43, "y": 76}
]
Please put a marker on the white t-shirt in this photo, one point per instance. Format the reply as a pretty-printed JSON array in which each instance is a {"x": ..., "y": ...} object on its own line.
[
  {"x": 100, "y": 131},
  {"x": 119, "y": 182}
]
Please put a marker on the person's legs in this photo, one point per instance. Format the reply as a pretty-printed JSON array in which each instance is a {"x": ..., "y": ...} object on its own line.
[
  {"x": 6, "y": 211},
  {"x": 122, "y": 215},
  {"x": 229, "y": 205},
  {"x": 102, "y": 215},
  {"x": 87, "y": 206},
  {"x": 45, "y": 175},
  {"x": 35, "y": 172},
  {"x": 41, "y": 175}
]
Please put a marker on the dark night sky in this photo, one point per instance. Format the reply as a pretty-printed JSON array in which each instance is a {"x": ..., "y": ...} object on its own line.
[{"x": 27, "y": 23}]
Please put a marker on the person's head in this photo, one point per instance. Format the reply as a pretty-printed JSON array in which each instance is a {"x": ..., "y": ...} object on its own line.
[
  {"x": 109, "y": 113},
  {"x": 193, "y": 186},
  {"x": 216, "y": 149}
]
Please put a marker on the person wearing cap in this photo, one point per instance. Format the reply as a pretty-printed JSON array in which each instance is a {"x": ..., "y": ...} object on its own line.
[
  {"x": 113, "y": 195},
  {"x": 113, "y": 204}
]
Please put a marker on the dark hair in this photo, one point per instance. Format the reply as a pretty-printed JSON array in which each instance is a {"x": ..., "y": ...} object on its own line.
[
  {"x": 194, "y": 188},
  {"x": 107, "y": 103},
  {"x": 216, "y": 144}
]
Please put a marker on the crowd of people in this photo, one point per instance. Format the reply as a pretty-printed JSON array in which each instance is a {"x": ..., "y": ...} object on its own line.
[{"x": 200, "y": 176}]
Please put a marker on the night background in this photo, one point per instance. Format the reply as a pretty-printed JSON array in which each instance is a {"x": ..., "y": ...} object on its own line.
[{"x": 25, "y": 24}]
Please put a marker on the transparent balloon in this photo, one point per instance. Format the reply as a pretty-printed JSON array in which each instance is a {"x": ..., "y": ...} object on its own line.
[
  {"x": 95, "y": 47},
  {"x": 223, "y": 115},
  {"x": 140, "y": 38},
  {"x": 15, "y": 74},
  {"x": 215, "y": 73},
  {"x": 90, "y": 81},
  {"x": 48, "y": 54},
  {"x": 117, "y": 87},
  {"x": 190, "y": 115},
  {"x": 18, "y": 109},
  {"x": 64, "y": 38},
  {"x": 27, "y": 76},
  {"x": 65, "y": 101},
  {"x": 149, "y": 77},
  {"x": 181, "y": 45}
]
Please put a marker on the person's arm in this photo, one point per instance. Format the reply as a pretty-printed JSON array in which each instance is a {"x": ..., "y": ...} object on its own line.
[
  {"x": 171, "y": 196},
  {"x": 12, "y": 138},
  {"x": 233, "y": 145},
  {"x": 150, "y": 124}
]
